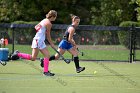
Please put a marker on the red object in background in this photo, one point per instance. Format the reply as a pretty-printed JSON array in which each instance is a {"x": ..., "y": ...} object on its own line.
[
  {"x": 83, "y": 39},
  {"x": 6, "y": 41},
  {"x": 87, "y": 40}
]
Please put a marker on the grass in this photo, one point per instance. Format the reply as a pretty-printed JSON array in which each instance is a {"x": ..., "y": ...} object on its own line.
[{"x": 26, "y": 77}]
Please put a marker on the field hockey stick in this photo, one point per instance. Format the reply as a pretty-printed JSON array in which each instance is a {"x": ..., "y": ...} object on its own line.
[
  {"x": 82, "y": 53},
  {"x": 66, "y": 60}
]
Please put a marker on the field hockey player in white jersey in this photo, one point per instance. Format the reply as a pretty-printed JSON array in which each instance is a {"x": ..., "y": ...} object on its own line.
[{"x": 43, "y": 30}]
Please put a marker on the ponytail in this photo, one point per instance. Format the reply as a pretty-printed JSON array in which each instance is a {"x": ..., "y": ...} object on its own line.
[
  {"x": 73, "y": 17},
  {"x": 51, "y": 13}
]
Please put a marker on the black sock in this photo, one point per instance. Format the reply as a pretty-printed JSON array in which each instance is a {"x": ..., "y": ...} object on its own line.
[
  {"x": 52, "y": 58},
  {"x": 76, "y": 61}
]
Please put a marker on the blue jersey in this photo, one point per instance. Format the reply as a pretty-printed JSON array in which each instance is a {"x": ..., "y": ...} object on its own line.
[{"x": 65, "y": 44}]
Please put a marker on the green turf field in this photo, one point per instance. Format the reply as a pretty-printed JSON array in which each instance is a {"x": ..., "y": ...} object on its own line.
[
  {"x": 26, "y": 77},
  {"x": 91, "y": 52}
]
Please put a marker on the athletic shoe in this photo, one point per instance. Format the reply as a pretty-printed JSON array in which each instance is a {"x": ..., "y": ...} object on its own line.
[
  {"x": 42, "y": 62},
  {"x": 80, "y": 69},
  {"x": 15, "y": 56},
  {"x": 3, "y": 62},
  {"x": 48, "y": 73}
]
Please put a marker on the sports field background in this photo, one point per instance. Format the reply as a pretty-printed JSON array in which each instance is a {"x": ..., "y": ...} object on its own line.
[
  {"x": 24, "y": 76},
  {"x": 91, "y": 52}
]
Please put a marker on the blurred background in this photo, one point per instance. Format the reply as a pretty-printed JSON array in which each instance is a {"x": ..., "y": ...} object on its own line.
[{"x": 92, "y": 12}]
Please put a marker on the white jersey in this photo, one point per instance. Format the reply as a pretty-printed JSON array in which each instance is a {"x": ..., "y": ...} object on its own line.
[
  {"x": 41, "y": 30},
  {"x": 38, "y": 40}
]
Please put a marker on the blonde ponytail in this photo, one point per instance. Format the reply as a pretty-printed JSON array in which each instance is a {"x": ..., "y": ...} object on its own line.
[{"x": 51, "y": 13}]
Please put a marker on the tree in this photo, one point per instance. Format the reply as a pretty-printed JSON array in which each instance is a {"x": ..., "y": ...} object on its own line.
[
  {"x": 35, "y": 10},
  {"x": 136, "y": 5},
  {"x": 13, "y": 10},
  {"x": 111, "y": 12},
  {"x": 124, "y": 36}
]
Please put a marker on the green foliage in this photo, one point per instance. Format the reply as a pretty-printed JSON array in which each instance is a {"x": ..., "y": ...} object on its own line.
[
  {"x": 108, "y": 13},
  {"x": 112, "y": 12},
  {"x": 136, "y": 4},
  {"x": 35, "y": 10},
  {"x": 12, "y": 10},
  {"x": 98, "y": 12},
  {"x": 124, "y": 35}
]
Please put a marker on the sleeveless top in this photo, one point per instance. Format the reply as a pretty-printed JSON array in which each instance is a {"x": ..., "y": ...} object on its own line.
[
  {"x": 41, "y": 30},
  {"x": 66, "y": 35}
]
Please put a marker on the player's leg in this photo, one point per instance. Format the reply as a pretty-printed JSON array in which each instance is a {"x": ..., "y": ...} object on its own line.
[
  {"x": 32, "y": 57},
  {"x": 43, "y": 49},
  {"x": 56, "y": 56},
  {"x": 45, "y": 52},
  {"x": 74, "y": 52},
  {"x": 61, "y": 49},
  {"x": 35, "y": 50},
  {"x": 50, "y": 59},
  {"x": 53, "y": 57}
]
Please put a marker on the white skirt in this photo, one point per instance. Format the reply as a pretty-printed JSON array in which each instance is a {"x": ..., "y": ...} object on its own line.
[{"x": 38, "y": 44}]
